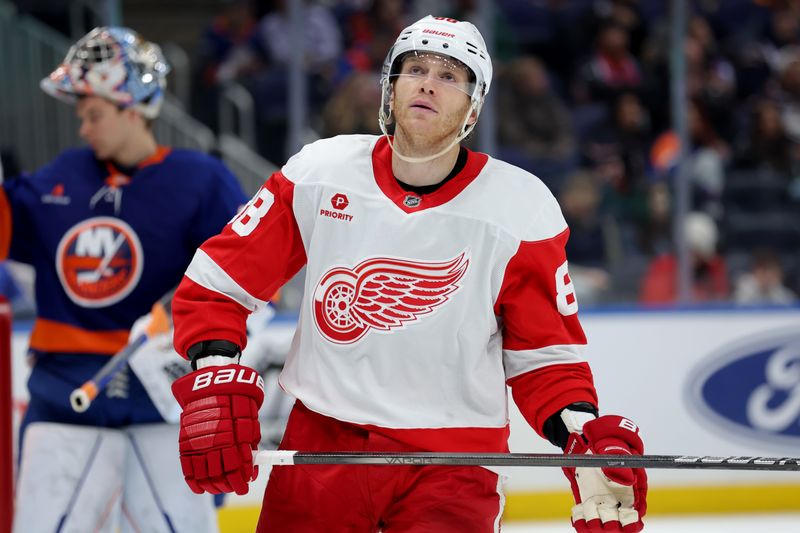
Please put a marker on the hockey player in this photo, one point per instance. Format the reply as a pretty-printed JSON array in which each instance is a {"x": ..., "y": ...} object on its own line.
[
  {"x": 436, "y": 276},
  {"x": 109, "y": 229}
]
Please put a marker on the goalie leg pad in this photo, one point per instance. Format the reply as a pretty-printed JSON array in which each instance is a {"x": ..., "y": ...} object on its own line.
[
  {"x": 157, "y": 498},
  {"x": 70, "y": 479}
]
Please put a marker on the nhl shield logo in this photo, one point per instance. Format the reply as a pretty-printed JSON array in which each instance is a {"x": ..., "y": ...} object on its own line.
[
  {"x": 412, "y": 200},
  {"x": 99, "y": 261}
]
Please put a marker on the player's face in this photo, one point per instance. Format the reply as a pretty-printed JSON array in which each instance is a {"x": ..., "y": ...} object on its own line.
[
  {"x": 431, "y": 98},
  {"x": 103, "y": 126}
]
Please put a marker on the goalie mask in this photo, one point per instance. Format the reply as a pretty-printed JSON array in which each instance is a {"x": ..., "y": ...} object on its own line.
[
  {"x": 114, "y": 63},
  {"x": 451, "y": 43}
]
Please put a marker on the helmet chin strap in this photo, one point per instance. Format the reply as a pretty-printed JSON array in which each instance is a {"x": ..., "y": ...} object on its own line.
[{"x": 458, "y": 138}]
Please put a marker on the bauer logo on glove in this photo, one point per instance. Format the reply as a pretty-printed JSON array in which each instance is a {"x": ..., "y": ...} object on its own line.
[{"x": 226, "y": 375}]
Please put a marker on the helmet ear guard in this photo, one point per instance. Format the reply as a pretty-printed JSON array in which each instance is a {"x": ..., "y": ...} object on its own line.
[{"x": 115, "y": 63}]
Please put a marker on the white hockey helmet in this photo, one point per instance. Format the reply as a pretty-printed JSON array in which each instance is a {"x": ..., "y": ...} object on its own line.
[
  {"x": 115, "y": 63},
  {"x": 443, "y": 36}
]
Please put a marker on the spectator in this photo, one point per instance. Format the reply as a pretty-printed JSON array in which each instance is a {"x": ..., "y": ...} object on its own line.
[
  {"x": 626, "y": 13},
  {"x": 755, "y": 50},
  {"x": 323, "y": 39},
  {"x": 270, "y": 87},
  {"x": 223, "y": 45},
  {"x": 626, "y": 134},
  {"x": 590, "y": 232},
  {"x": 709, "y": 277},
  {"x": 372, "y": 32},
  {"x": 782, "y": 35},
  {"x": 763, "y": 284},
  {"x": 610, "y": 68},
  {"x": 790, "y": 96},
  {"x": 655, "y": 234},
  {"x": 705, "y": 164},
  {"x": 534, "y": 129},
  {"x": 767, "y": 146},
  {"x": 351, "y": 109},
  {"x": 223, "y": 55},
  {"x": 711, "y": 78}
]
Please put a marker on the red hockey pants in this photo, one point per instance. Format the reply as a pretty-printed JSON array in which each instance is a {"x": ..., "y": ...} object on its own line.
[{"x": 367, "y": 498}]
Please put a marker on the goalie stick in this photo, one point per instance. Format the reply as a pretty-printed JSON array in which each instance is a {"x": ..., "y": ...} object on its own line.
[
  {"x": 283, "y": 457},
  {"x": 81, "y": 398}
]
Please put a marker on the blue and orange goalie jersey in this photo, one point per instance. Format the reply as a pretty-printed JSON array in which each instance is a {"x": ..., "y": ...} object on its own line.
[{"x": 107, "y": 243}]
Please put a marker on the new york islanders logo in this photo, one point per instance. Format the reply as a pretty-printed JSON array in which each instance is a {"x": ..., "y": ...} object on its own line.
[
  {"x": 382, "y": 294},
  {"x": 99, "y": 261}
]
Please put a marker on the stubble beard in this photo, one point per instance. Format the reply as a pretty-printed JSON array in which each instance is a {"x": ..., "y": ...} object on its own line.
[{"x": 431, "y": 140}]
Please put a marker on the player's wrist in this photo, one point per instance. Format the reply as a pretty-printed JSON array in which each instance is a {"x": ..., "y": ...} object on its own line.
[
  {"x": 213, "y": 353},
  {"x": 214, "y": 360},
  {"x": 574, "y": 420},
  {"x": 558, "y": 428}
]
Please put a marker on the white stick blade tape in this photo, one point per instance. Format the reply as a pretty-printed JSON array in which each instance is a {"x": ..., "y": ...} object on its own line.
[{"x": 274, "y": 457}]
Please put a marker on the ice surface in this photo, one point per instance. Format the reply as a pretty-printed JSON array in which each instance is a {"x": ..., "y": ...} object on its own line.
[{"x": 749, "y": 523}]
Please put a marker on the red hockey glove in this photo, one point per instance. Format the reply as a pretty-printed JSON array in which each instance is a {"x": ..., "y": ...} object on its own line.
[
  {"x": 607, "y": 499},
  {"x": 219, "y": 427}
]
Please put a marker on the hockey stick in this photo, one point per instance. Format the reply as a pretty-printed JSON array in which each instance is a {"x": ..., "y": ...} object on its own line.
[
  {"x": 81, "y": 398},
  {"x": 283, "y": 457}
]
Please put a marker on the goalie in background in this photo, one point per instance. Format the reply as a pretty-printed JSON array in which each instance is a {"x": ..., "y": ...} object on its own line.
[
  {"x": 436, "y": 276},
  {"x": 109, "y": 229}
]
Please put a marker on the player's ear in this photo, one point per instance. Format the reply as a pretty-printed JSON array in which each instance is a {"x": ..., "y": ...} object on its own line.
[{"x": 473, "y": 117}]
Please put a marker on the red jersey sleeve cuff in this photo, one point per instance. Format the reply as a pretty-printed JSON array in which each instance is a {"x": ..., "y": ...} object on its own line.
[{"x": 543, "y": 392}]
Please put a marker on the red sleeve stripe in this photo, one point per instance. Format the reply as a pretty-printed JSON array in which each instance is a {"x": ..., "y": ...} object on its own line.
[
  {"x": 518, "y": 362},
  {"x": 200, "y": 314},
  {"x": 209, "y": 275}
]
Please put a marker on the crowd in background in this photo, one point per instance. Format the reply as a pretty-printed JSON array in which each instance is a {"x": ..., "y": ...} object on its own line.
[
  {"x": 582, "y": 92},
  {"x": 582, "y": 100}
]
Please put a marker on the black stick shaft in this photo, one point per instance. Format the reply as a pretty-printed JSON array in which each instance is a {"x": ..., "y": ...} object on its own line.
[{"x": 531, "y": 459}]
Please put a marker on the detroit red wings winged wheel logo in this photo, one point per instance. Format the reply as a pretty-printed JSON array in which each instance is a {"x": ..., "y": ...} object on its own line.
[{"x": 382, "y": 294}]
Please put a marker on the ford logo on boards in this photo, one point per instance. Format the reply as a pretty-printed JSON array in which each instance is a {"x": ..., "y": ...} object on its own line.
[{"x": 752, "y": 388}]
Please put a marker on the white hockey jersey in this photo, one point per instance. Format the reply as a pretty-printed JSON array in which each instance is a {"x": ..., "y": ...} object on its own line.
[{"x": 418, "y": 310}]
